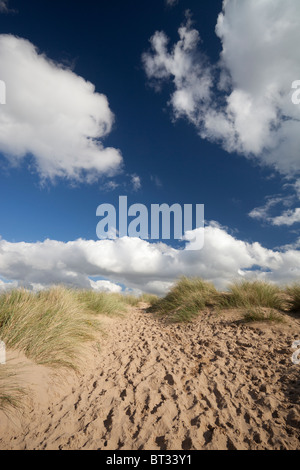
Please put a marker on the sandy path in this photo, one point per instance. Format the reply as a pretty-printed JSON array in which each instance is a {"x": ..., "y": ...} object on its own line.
[{"x": 213, "y": 384}]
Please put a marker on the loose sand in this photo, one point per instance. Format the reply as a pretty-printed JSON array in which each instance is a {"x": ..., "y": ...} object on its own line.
[{"x": 213, "y": 384}]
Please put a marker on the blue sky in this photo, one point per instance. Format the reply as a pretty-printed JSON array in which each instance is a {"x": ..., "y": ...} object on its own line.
[{"x": 165, "y": 102}]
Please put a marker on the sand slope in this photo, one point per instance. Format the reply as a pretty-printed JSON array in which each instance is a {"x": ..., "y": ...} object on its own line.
[{"x": 212, "y": 384}]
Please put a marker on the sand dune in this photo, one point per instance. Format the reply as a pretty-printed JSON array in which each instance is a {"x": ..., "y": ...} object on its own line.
[{"x": 213, "y": 384}]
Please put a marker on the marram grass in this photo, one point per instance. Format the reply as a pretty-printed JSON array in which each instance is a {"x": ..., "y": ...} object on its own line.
[
  {"x": 186, "y": 299},
  {"x": 101, "y": 302},
  {"x": 259, "y": 315},
  {"x": 148, "y": 298},
  {"x": 11, "y": 394},
  {"x": 190, "y": 296},
  {"x": 293, "y": 292},
  {"x": 52, "y": 328},
  {"x": 249, "y": 294}
]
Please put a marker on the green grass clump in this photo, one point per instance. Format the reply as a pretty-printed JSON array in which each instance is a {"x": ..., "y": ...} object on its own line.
[
  {"x": 186, "y": 299},
  {"x": 130, "y": 299},
  {"x": 294, "y": 294},
  {"x": 191, "y": 295},
  {"x": 102, "y": 302},
  {"x": 248, "y": 294},
  {"x": 11, "y": 394},
  {"x": 107, "y": 303},
  {"x": 50, "y": 327},
  {"x": 258, "y": 315},
  {"x": 148, "y": 298}
]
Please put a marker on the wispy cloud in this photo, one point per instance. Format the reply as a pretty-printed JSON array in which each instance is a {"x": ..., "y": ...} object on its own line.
[
  {"x": 291, "y": 246},
  {"x": 263, "y": 212},
  {"x": 136, "y": 182},
  {"x": 243, "y": 102},
  {"x": 54, "y": 115},
  {"x": 156, "y": 180},
  {"x": 109, "y": 185},
  {"x": 288, "y": 217},
  {"x": 171, "y": 3},
  {"x": 4, "y": 6}
]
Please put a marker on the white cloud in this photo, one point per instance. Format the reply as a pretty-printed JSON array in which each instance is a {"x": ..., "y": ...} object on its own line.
[
  {"x": 109, "y": 185},
  {"x": 4, "y": 6},
  {"x": 296, "y": 187},
  {"x": 105, "y": 286},
  {"x": 291, "y": 246},
  {"x": 171, "y": 3},
  {"x": 289, "y": 218},
  {"x": 53, "y": 115},
  {"x": 136, "y": 182},
  {"x": 190, "y": 75},
  {"x": 144, "y": 266},
  {"x": 250, "y": 110},
  {"x": 8, "y": 285},
  {"x": 156, "y": 180},
  {"x": 262, "y": 213}
]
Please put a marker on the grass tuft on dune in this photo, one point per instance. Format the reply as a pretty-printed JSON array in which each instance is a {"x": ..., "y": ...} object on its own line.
[
  {"x": 186, "y": 299},
  {"x": 262, "y": 315},
  {"x": 190, "y": 296},
  {"x": 249, "y": 294},
  {"x": 148, "y": 298},
  {"x": 52, "y": 328},
  {"x": 11, "y": 394},
  {"x": 49, "y": 327},
  {"x": 294, "y": 294},
  {"x": 101, "y": 302}
]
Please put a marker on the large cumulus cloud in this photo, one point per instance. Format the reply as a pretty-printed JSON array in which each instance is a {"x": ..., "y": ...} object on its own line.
[
  {"x": 143, "y": 266},
  {"x": 244, "y": 101},
  {"x": 53, "y": 115}
]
